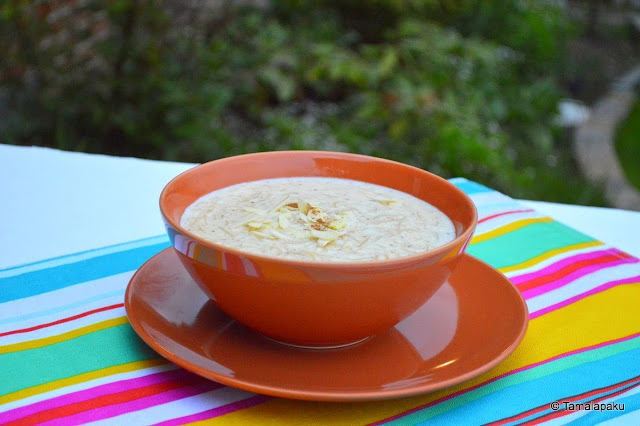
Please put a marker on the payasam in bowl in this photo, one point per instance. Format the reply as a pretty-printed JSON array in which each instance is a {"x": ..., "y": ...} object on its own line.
[{"x": 317, "y": 249}]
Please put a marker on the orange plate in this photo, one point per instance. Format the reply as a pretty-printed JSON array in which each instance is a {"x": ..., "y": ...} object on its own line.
[{"x": 469, "y": 326}]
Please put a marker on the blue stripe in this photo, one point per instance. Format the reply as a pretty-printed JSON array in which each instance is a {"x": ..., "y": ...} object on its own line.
[
  {"x": 542, "y": 414},
  {"x": 499, "y": 207},
  {"x": 65, "y": 275},
  {"x": 82, "y": 255},
  {"x": 631, "y": 403},
  {"x": 531, "y": 388},
  {"x": 470, "y": 187}
]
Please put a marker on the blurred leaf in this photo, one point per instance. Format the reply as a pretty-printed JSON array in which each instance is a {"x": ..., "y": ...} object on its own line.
[{"x": 283, "y": 85}]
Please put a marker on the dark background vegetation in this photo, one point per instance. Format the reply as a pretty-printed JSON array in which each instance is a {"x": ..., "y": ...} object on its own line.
[{"x": 461, "y": 87}]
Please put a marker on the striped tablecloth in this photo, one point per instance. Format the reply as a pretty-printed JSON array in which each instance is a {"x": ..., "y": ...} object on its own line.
[{"x": 68, "y": 354}]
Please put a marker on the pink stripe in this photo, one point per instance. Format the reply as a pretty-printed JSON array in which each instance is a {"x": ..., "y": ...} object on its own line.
[
  {"x": 95, "y": 392},
  {"x": 518, "y": 370},
  {"x": 215, "y": 412},
  {"x": 135, "y": 405},
  {"x": 503, "y": 213},
  {"x": 537, "y": 291},
  {"x": 562, "y": 264},
  {"x": 569, "y": 301}
]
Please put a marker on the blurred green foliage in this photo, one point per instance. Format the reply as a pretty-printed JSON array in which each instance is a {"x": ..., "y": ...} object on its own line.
[{"x": 460, "y": 87}]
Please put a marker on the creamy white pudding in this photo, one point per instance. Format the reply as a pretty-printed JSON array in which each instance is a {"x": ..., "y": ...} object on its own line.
[{"x": 318, "y": 219}]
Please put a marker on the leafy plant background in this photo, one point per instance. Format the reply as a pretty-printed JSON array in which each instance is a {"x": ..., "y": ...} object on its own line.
[{"x": 460, "y": 88}]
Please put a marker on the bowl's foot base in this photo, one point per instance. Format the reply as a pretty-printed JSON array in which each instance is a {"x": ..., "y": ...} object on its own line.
[{"x": 295, "y": 345}]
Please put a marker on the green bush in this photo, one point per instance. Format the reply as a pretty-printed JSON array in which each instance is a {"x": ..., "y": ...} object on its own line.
[{"x": 436, "y": 85}]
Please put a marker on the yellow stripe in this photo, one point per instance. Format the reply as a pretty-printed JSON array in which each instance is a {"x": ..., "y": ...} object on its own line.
[
  {"x": 80, "y": 378},
  {"x": 38, "y": 343},
  {"x": 508, "y": 228},
  {"x": 576, "y": 326},
  {"x": 531, "y": 262}
]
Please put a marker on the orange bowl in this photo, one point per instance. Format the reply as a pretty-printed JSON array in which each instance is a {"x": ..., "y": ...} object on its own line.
[{"x": 313, "y": 303}]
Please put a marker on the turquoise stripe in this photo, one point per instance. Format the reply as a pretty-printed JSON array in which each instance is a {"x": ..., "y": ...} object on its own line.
[
  {"x": 82, "y": 255},
  {"x": 65, "y": 275},
  {"x": 631, "y": 403},
  {"x": 532, "y": 240},
  {"x": 548, "y": 411},
  {"x": 536, "y": 386},
  {"x": 604, "y": 395},
  {"x": 499, "y": 207},
  {"x": 32, "y": 367},
  {"x": 470, "y": 187},
  {"x": 540, "y": 391}
]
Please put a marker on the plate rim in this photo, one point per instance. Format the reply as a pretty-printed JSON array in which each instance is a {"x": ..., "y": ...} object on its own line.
[{"x": 321, "y": 395}]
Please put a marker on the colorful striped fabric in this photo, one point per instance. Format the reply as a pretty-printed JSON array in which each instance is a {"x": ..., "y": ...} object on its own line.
[{"x": 69, "y": 356}]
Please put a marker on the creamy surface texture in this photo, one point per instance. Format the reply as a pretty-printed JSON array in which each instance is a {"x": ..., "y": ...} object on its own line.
[{"x": 317, "y": 218}]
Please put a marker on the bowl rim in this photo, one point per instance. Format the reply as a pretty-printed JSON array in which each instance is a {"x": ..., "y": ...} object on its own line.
[{"x": 387, "y": 263}]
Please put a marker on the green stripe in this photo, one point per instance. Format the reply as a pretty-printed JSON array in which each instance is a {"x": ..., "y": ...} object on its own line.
[
  {"x": 526, "y": 243},
  {"x": 32, "y": 367},
  {"x": 544, "y": 370}
]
